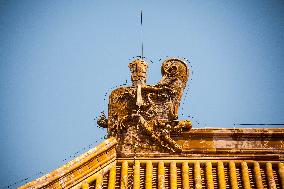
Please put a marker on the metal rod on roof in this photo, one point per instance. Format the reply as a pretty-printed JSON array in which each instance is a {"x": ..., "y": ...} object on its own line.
[{"x": 141, "y": 24}]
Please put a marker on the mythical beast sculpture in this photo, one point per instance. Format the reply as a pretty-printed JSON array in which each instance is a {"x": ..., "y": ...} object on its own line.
[{"x": 141, "y": 116}]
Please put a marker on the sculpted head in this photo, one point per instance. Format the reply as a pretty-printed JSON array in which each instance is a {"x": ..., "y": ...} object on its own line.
[
  {"x": 175, "y": 68},
  {"x": 138, "y": 68}
]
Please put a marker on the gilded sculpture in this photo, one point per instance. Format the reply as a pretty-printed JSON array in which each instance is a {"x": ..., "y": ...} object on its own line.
[
  {"x": 142, "y": 117},
  {"x": 143, "y": 121}
]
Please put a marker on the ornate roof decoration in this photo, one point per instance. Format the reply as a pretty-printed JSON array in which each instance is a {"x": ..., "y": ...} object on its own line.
[
  {"x": 148, "y": 147},
  {"x": 142, "y": 117}
]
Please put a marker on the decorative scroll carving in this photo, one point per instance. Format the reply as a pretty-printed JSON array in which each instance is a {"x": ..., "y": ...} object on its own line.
[{"x": 141, "y": 116}]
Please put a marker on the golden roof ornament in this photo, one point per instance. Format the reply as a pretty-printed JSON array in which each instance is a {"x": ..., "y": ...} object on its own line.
[{"x": 142, "y": 117}]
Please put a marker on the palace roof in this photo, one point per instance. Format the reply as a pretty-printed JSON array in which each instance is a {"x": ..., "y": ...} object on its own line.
[
  {"x": 149, "y": 147},
  {"x": 219, "y": 158}
]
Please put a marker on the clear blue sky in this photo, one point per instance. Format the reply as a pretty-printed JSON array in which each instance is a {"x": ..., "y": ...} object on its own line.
[{"x": 59, "y": 58}]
